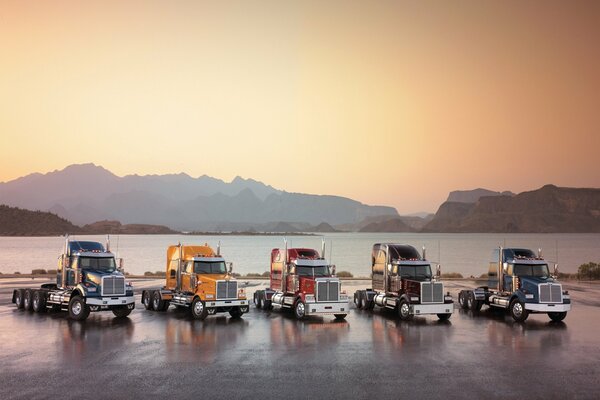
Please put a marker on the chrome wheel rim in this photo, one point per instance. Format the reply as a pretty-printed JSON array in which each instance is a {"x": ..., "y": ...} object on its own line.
[
  {"x": 198, "y": 308},
  {"x": 300, "y": 309},
  {"x": 26, "y": 302},
  {"x": 155, "y": 303},
  {"x": 404, "y": 309},
  {"x": 76, "y": 308},
  {"x": 146, "y": 300},
  {"x": 517, "y": 309},
  {"x": 35, "y": 302}
]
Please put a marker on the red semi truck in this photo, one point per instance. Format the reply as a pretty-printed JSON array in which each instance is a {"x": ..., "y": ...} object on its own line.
[{"x": 302, "y": 280}]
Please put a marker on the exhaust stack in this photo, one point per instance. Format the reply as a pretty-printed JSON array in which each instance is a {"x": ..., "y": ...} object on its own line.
[
  {"x": 424, "y": 253},
  {"x": 323, "y": 248},
  {"x": 500, "y": 271}
]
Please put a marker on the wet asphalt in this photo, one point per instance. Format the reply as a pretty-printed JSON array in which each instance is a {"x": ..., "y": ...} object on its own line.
[{"x": 271, "y": 355}]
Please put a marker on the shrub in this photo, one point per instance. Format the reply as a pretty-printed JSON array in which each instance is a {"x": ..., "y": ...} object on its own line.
[
  {"x": 589, "y": 271},
  {"x": 38, "y": 272},
  {"x": 253, "y": 275},
  {"x": 51, "y": 272},
  {"x": 452, "y": 275},
  {"x": 17, "y": 273},
  {"x": 344, "y": 274},
  {"x": 148, "y": 273},
  {"x": 266, "y": 274}
]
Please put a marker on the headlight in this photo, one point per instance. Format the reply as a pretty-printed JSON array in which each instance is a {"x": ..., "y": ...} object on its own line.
[
  {"x": 91, "y": 289},
  {"x": 447, "y": 298},
  {"x": 529, "y": 296},
  {"x": 414, "y": 299},
  {"x": 210, "y": 296},
  {"x": 309, "y": 297},
  {"x": 566, "y": 297},
  {"x": 344, "y": 297}
]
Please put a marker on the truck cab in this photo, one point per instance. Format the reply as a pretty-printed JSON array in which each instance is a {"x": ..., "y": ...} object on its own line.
[
  {"x": 520, "y": 280},
  {"x": 88, "y": 279},
  {"x": 198, "y": 278},
  {"x": 402, "y": 280},
  {"x": 302, "y": 280}
]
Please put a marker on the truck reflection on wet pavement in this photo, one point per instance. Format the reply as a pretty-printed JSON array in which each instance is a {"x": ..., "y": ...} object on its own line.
[{"x": 270, "y": 353}]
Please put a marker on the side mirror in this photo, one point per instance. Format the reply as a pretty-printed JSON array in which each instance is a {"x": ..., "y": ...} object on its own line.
[
  {"x": 121, "y": 263},
  {"x": 230, "y": 267},
  {"x": 333, "y": 270},
  {"x": 555, "y": 270},
  {"x": 193, "y": 281},
  {"x": 438, "y": 271}
]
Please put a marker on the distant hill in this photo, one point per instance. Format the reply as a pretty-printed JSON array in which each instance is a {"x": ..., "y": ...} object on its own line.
[
  {"x": 87, "y": 193},
  {"x": 546, "y": 210},
  {"x": 386, "y": 223},
  {"x": 472, "y": 196},
  {"x": 115, "y": 227},
  {"x": 389, "y": 225},
  {"x": 18, "y": 222},
  {"x": 323, "y": 227}
]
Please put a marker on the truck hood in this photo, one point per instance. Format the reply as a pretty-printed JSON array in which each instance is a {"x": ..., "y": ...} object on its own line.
[
  {"x": 214, "y": 277},
  {"x": 535, "y": 280},
  {"x": 307, "y": 283},
  {"x": 95, "y": 276}
]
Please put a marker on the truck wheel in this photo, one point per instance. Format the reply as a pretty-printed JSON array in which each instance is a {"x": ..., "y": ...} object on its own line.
[
  {"x": 235, "y": 312},
  {"x": 268, "y": 305},
  {"x": 557, "y": 316},
  {"x": 19, "y": 298},
  {"x": 300, "y": 309},
  {"x": 39, "y": 301},
  {"x": 518, "y": 311},
  {"x": 369, "y": 304},
  {"x": 121, "y": 311},
  {"x": 462, "y": 300},
  {"x": 257, "y": 300},
  {"x": 146, "y": 300},
  {"x": 358, "y": 300},
  {"x": 404, "y": 310},
  {"x": 339, "y": 317},
  {"x": 157, "y": 303},
  {"x": 27, "y": 297},
  {"x": 472, "y": 303},
  {"x": 78, "y": 310},
  {"x": 198, "y": 309},
  {"x": 444, "y": 317}
]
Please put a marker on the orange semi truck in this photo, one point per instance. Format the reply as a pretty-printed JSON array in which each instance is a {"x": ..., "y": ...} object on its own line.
[{"x": 198, "y": 278}]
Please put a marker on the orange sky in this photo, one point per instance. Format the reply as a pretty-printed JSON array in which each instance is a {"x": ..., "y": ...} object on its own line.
[{"x": 392, "y": 103}]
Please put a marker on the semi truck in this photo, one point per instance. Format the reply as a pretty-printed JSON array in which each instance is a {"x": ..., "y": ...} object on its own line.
[
  {"x": 87, "y": 280},
  {"x": 402, "y": 281},
  {"x": 198, "y": 278},
  {"x": 519, "y": 281},
  {"x": 303, "y": 281}
]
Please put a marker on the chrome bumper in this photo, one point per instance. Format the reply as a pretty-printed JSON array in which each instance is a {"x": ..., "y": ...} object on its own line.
[
  {"x": 338, "y": 307},
  {"x": 226, "y": 303},
  {"x": 109, "y": 301},
  {"x": 547, "y": 307},
  {"x": 421, "y": 309}
]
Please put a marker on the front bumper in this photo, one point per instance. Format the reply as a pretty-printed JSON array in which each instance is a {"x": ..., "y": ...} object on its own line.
[
  {"x": 110, "y": 301},
  {"x": 441, "y": 308},
  {"x": 338, "y": 307},
  {"x": 226, "y": 303},
  {"x": 545, "y": 308}
]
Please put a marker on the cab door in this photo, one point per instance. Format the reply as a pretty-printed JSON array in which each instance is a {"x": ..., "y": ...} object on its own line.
[{"x": 186, "y": 275}]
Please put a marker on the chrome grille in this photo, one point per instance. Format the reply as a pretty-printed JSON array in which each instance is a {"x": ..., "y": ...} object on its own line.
[
  {"x": 226, "y": 289},
  {"x": 328, "y": 290},
  {"x": 432, "y": 292},
  {"x": 550, "y": 293},
  {"x": 113, "y": 286}
]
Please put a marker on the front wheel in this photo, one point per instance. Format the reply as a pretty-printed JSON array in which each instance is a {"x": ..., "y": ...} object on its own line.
[
  {"x": 444, "y": 317},
  {"x": 235, "y": 312},
  {"x": 300, "y": 309},
  {"x": 404, "y": 310},
  {"x": 198, "y": 309},
  {"x": 78, "y": 310},
  {"x": 518, "y": 311},
  {"x": 557, "y": 316},
  {"x": 121, "y": 311}
]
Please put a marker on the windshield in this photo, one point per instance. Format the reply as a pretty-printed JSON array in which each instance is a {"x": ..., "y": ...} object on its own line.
[
  {"x": 106, "y": 264},
  {"x": 540, "y": 270},
  {"x": 313, "y": 271},
  {"x": 414, "y": 271},
  {"x": 210, "y": 267}
]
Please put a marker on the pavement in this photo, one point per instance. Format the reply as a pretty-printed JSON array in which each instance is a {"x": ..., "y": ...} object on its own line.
[{"x": 270, "y": 354}]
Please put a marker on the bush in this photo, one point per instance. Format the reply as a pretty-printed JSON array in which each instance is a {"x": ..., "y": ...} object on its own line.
[
  {"x": 17, "y": 273},
  {"x": 236, "y": 274},
  {"x": 452, "y": 275},
  {"x": 51, "y": 272},
  {"x": 266, "y": 274},
  {"x": 589, "y": 271},
  {"x": 148, "y": 273},
  {"x": 253, "y": 275},
  {"x": 483, "y": 276},
  {"x": 38, "y": 272},
  {"x": 344, "y": 274}
]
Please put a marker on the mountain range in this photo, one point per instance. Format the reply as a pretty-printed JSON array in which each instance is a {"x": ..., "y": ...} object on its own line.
[{"x": 86, "y": 193}]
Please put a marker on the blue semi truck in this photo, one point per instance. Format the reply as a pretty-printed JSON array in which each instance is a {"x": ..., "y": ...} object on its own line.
[
  {"x": 88, "y": 279},
  {"x": 519, "y": 281}
]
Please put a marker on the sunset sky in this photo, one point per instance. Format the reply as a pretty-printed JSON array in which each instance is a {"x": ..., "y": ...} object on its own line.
[{"x": 393, "y": 103}]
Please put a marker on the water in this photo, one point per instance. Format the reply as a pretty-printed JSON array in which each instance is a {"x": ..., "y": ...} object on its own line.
[{"x": 467, "y": 254}]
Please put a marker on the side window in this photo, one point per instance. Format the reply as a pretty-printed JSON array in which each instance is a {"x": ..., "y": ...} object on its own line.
[{"x": 189, "y": 267}]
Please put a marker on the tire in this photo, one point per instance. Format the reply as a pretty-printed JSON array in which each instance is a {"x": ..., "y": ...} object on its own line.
[
  {"x": 268, "y": 305},
  {"x": 38, "y": 301},
  {"x": 340, "y": 317},
  {"x": 198, "y": 309},
  {"x": 19, "y": 298},
  {"x": 518, "y": 311},
  {"x": 121, "y": 311},
  {"x": 358, "y": 301},
  {"x": 444, "y": 317},
  {"x": 404, "y": 310},
  {"x": 369, "y": 304},
  {"x": 472, "y": 304},
  {"x": 300, "y": 310},
  {"x": 157, "y": 303},
  {"x": 462, "y": 300},
  {"x": 257, "y": 300},
  {"x": 235, "y": 312},
  {"x": 557, "y": 316},
  {"x": 147, "y": 300},
  {"x": 27, "y": 300},
  {"x": 78, "y": 310}
]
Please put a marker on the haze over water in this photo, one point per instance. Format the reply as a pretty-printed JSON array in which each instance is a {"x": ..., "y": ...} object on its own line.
[{"x": 468, "y": 254}]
